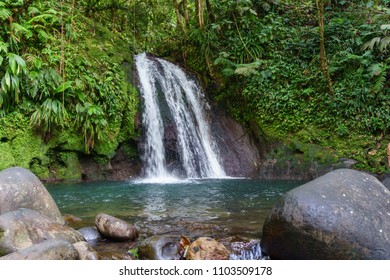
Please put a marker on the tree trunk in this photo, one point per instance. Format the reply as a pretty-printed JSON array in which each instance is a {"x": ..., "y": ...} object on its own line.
[
  {"x": 199, "y": 13},
  {"x": 210, "y": 11},
  {"x": 323, "y": 60}
]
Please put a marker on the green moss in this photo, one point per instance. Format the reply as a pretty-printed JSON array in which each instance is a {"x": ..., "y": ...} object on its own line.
[
  {"x": 106, "y": 148},
  {"x": 21, "y": 146},
  {"x": 66, "y": 166},
  {"x": 313, "y": 144},
  {"x": 67, "y": 139},
  {"x": 7, "y": 159}
]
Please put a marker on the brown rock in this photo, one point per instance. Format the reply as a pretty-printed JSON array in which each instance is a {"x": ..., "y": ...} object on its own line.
[
  {"x": 114, "y": 228},
  {"x": 206, "y": 248}
]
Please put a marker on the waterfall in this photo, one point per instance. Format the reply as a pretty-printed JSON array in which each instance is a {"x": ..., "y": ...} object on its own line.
[{"x": 174, "y": 103}]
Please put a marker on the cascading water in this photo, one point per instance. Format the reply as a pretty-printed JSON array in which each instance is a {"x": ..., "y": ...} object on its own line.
[{"x": 170, "y": 95}]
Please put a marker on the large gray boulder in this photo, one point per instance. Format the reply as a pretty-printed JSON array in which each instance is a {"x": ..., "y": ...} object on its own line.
[
  {"x": 20, "y": 188},
  {"x": 25, "y": 227},
  {"x": 344, "y": 214},
  {"x": 46, "y": 250}
]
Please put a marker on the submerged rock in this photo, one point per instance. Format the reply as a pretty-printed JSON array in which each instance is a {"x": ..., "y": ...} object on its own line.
[
  {"x": 206, "y": 248},
  {"x": 344, "y": 214},
  {"x": 114, "y": 228},
  {"x": 20, "y": 188}
]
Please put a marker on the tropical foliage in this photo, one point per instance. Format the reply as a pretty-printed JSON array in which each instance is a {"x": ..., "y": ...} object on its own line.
[{"x": 313, "y": 70}]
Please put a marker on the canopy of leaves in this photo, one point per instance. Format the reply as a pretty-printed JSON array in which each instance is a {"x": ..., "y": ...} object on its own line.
[{"x": 61, "y": 64}]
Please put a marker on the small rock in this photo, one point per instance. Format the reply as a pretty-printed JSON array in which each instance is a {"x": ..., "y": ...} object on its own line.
[
  {"x": 206, "y": 248},
  {"x": 90, "y": 233},
  {"x": 158, "y": 247},
  {"x": 114, "y": 228}
]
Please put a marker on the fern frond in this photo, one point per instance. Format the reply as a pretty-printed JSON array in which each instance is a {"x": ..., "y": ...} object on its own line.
[
  {"x": 385, "y": 42},
  {"x": 19, "y": 29},
  {"x": 249, "y": 68},
  {"x": 5, "y": 13},
  {"x": 371, "y": 44}
]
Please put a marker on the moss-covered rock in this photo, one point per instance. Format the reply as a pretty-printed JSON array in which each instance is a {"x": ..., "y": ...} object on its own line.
[{"x": 20, "y": 145}]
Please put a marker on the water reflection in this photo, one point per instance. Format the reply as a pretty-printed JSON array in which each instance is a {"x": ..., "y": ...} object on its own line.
[{"x": 234, "y": 204}]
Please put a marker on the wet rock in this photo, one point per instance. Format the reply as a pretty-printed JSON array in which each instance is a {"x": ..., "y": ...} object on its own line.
[
  {"x": 114, "y": 228},
  {"x": 85, "y": 251},
  {"x": 386, "y": 181},
  {"x": 90, "y": 233},
  {"x": 206, "y": 248},
  {"x": 23, "y": 228},
  {"x": 45, "y": 250},
  {"x": 237, "y": 148},
  {"x": 71, "y": 219},
  {"x": 344, "y": 214},
  {"x": 157, "y": 247},
  {"x": 20, "y": 188},
  {"x": 114, "y": 250}
]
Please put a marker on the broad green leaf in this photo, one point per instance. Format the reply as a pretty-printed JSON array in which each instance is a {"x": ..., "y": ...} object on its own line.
[
  {"x": 20, "y": 61},
  {"x": 12, "y": 63},
  {"x": 38, "y": 63},
  {"x": 7, "y": 78},
  {"x": 64, "y": 86},
  {"x": 4, "y": 85},
  {"x": 1, "y": 60}
]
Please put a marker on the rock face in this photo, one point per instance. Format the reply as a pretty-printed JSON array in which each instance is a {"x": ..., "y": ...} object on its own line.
[
  {"x": 46, "y": 250},
  {"x": 237, "y": 148},
  {"x": 114, "y": 228},
  {"x": 206, "y": 248},
  {"x": 344, "y": 214},
  {"x": 160, "y": 248},
  {"x": 20, "y": 188},
  {"x": 25, "y": 227}
]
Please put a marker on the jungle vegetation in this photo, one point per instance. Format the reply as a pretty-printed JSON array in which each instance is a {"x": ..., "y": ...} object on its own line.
[{"x": 304, "y": 71}]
